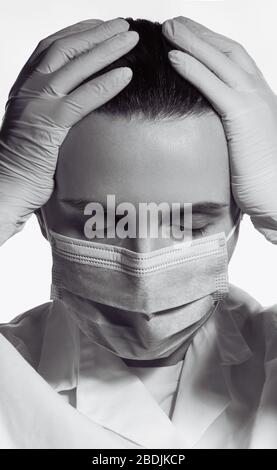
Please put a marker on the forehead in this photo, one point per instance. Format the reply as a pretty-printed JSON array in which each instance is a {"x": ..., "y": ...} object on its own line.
[{"x": 180, "y": 160}]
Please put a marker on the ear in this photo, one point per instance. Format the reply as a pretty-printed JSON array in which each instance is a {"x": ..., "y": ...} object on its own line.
[{"x": 41, "y": 223}]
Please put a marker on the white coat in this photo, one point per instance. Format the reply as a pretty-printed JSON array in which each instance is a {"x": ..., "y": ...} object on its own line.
[{"x": 58, "y": 390}]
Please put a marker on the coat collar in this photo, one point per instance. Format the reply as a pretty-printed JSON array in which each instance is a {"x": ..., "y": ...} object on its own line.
[
  {"x": 60, "y": 352},
  {"x": 69, "y": 359},
  {"x": 203, "y": 392}
]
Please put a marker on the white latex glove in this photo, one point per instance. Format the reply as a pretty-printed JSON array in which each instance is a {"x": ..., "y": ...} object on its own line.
[
  {"x": 229, "y": 78},
  {"x": 44, "y": 104}
]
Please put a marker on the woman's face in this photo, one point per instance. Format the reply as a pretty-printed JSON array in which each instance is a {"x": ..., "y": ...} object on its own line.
[{"x": 182, "y": 160}]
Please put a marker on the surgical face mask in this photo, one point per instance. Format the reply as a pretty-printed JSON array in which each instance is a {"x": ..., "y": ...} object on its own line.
[{"x": 140, "y": 305}]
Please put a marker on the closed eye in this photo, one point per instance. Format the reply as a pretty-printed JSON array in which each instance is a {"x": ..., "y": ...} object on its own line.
[{"x": 75, "y": 204}]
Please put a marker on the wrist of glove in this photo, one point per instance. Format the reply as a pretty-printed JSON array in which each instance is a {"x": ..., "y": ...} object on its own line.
[
  {"x": 26, "y": 175},
  {"x": 254, "y": 171},
  {"x": 17, "y": 204}
]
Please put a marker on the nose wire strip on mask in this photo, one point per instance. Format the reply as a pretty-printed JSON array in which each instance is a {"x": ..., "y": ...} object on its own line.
[
  {"x": 147, "y": 263},
  {"x": 124, "y": 260},
  {"x": 119, "y": 259}
]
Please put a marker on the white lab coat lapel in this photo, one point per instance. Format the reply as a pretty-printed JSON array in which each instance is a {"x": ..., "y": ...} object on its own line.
[
  {"x": 203, "y": 392},
  {"x": 107, "y": 391},
  {"x": 34, "y": 416},
  {"x": 112, "y": 396},
  {"x": 119, "y": 401},
  {"x": 59, "y": 356}
]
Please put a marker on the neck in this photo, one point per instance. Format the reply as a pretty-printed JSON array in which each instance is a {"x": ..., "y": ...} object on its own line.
[{"x": 175, "y": 357}]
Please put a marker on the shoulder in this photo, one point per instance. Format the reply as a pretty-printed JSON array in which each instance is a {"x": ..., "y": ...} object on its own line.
[
  {"x": 257, "y": 323},
  {"x": 245, "y": 307},
  {"x": 26, "y": 331}
]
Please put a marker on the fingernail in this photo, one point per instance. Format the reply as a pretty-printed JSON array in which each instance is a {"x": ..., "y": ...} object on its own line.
[
  {"x": 94, "y": 20},
  {"x": 175, "y": 56},
  {"x": 123, "y": 21},
  {"x": 181, "y": 19},
  {"x": 168, "y": 27},
  {"x": 131, "y": 35},
  {"x": 127, "y": 73}
]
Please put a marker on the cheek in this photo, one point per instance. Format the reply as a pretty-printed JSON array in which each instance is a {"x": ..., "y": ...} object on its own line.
[{"x": 63, "y": 219}]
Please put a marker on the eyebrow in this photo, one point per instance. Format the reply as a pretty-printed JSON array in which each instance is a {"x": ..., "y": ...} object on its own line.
[
  {"x": 205, "y": 207},
  {"x": 209, "y": 207}
]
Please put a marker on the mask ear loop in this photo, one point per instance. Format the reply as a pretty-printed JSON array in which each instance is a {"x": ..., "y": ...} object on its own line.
[
  {"x": 45, "y": 223},
  {"x": 55, "y": 291},
  {"x": 237, "y": 222}
]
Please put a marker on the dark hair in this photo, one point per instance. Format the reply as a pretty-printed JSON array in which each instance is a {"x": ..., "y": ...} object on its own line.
[{"x": 156, "y": 91}]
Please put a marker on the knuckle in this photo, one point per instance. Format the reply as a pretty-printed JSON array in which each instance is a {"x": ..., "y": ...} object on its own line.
[
  {"x": 115, "y": 41},
  {"x": 62, "y": 111},
  {"x": 56, "y": 48},
  {"x": 92, "y": 22},
  {"x": 113, "y": 26},
  {"x": 101, "y": 88},
  {"x": 51, "y": 89},
  {"x": 40, "y": 44},
  {"x": 106, "y": 28},
  {"x": 237, "y": 46},
  {"x": 43, "y": 44},
  {"x": 62, "y": 47},
  {"x": 57, "y": 44},
  {"x": 181, "y": 18}
]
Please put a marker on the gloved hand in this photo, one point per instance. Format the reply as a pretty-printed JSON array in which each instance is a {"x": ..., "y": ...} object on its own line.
[
  {"x": 45, "y": 102},
  {"x": 229, "y": 78}
]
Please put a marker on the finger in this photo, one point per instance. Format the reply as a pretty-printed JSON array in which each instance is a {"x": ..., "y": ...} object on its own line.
[
  {"x": 93, "y": 94},
  {"x": 66, "y": 48},
  {"x": 220, "y": 95},
  {"x": 228, "y": 46},
  {"x": 76, "y": 71},
  {"x": 69, "y": 30},
  {"x": 178, "y": 34},
  {"x": 44, "y": 44}
]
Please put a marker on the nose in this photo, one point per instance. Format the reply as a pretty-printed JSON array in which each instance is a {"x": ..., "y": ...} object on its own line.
[
  {"x": 148, "y": 234},
  {"x": 146, "y": 245}
]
